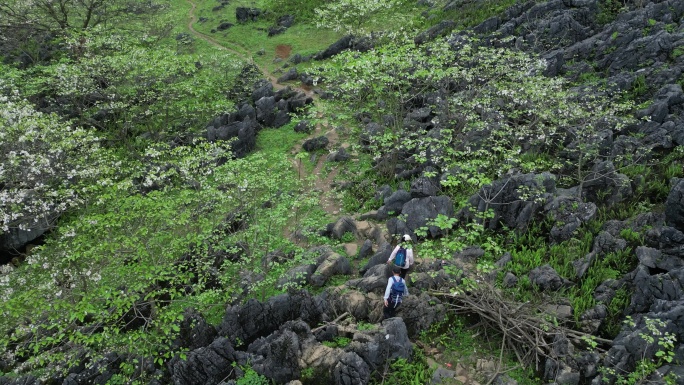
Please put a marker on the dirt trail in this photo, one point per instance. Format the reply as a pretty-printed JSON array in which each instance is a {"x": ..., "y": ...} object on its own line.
[
  {"x": 240, "y": 51},
  {"x": 329, "y": 203},
  {"x": 321, "y": 182}
]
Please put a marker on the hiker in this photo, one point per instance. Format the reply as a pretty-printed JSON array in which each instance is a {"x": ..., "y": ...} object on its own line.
[
  {"x": 394, "y": 292},
  {"x": 402, "y": 255}
]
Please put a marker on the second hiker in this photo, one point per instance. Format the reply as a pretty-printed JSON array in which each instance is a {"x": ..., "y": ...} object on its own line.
[
  {"x": 394, "y": 292},
  {"x": 402, "y": 255}
]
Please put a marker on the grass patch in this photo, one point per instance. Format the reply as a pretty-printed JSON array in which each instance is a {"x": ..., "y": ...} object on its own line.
[
  {"x": 251, "y": 38},
  {"x": 677, "y": 52},
  {"x": 278, "y": 140}
]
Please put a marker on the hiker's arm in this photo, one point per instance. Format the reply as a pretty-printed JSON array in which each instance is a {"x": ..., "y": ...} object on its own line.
[
  {"x": 394, "y": 253},
  {"x": 409, "y": 256},
  {"x": 405, "y": 289},
  {"x": 388, "y": 288}
]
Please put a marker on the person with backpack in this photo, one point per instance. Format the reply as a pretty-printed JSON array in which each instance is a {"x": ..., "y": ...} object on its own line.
[
  {"x": 402, "y": 255},
  {"x": 394, "y": 292}
]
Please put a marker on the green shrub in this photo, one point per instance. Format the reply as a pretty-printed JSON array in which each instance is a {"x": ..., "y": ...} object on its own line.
[
  {"x": 612, "y": 325},
  {"x": 638, "y": 89},
  {"x": 608, "y": 11},
  {"x": 365, "y": 326},
  {"x": 348, "y": 237},
  {"x": 338, "y": 342},
  {"x": 413, "y": 372},
  {"x": 634, "y": 238},
  {"x": 470, "y": 14},
  {"x": 252, "y": 378},
  {"x": 302, "y": 9}
]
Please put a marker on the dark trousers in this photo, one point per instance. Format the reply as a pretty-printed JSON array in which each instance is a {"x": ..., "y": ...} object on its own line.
[
  {"x": 403, "y": 272},
  {"x": 388, "y": 311}
]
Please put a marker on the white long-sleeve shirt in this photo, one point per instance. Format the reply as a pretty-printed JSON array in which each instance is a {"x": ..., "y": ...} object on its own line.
[
  {"x": 390, "y": 281},
  {"x": 409, "y": 256}
]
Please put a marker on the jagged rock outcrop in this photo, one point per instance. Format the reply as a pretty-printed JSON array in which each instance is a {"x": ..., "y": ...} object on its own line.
[
  {"x": 13, "y": 240},
  {"x": 330, "y": 264},
  {"x": 194, "y": 332},
  {"x": 674, "y": 206},
  {"x": 277, "y": 355},
  {"x": 254, "y": 319},
  {"x": 297, "y": 276},
  {"x": 341, "y": 155},
  {"x": 373, "y": 281},
  {"x": 314, "y": 144},
  {"x": 349, "y": 42},
  {"x": 604, "y": 184},
  {"x": 441, "y": 29},
  {"x": 568, "y": 214},
  {"x": 630, "y": 346},
  {"x": 393, "y": 204},
  {"x": 419, "y": 211},
  {"x": 291, "y": 74},
  {"x": 244, "y": 14},
  {"x": 207, "y": 365},
  {"x": 380, "y": 257},
  {"x": 546, "y": 278},
  {"x": 303, "y": 126},
  {"x": 419, "y": 311},
  {"x": 343, "y": 226},
  {"x": 515, "y": 200},
  {"x": 269, "y": 109}
]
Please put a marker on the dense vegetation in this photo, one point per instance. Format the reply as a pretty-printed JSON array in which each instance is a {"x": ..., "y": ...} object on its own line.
[{"x": 103, "y": 113}]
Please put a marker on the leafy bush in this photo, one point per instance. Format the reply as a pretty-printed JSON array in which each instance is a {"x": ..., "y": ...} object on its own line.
[
  {"x": 337, "y": 342},
  {"x": 125, "y": 89},
  {"x": 608, "y": 11},
  {"x": 302, "y": 10},
  {"x": 414, "y": 372},
  {"x": 252, "y": 378},
  {"x": 349, "y": 16}
]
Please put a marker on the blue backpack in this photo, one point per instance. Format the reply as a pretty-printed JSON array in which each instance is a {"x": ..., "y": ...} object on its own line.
[
  {"x": 397, "y": 290},
  {"x": 400, "y": 258}
]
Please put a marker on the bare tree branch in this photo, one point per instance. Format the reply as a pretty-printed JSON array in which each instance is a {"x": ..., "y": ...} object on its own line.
[{"x": 523, "y": 327}]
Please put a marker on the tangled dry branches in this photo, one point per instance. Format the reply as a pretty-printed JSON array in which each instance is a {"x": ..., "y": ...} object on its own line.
[{"x": 523, "y": 327}]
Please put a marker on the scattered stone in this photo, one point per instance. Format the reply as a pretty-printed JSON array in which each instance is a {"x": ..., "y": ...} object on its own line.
[
  {"x": 340, "y": 155},
  {"x": 224, "y": 26},
  {"x": 546, "y": 278},
  {"x": 243, "y": 14},
  {"x": 314, "y": 144}
]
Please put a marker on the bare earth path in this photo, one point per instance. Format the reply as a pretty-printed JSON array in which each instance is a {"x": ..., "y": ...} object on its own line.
[{"x": 321, "y": 182}]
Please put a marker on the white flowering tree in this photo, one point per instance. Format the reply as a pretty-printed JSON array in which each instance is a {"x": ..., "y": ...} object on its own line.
[
  {"x": 128, "y": 265},
  {"x": 47, "y": 166},
  {"x": 349, "y": 16},
  {"x": 29, "y": 27},
  {"x": 132, "y": 88},
  {"x": 47, "y": 15}
]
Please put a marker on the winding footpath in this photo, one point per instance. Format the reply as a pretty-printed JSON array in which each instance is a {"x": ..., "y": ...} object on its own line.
[
  {"x": 235, "y": 49},
  {"x": 321, "y": 182}
]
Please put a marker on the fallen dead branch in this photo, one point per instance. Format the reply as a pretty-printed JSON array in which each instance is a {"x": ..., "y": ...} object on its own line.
[
  {"x": 522, "y": 326},
  {"x": 333, "y": 322}
]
